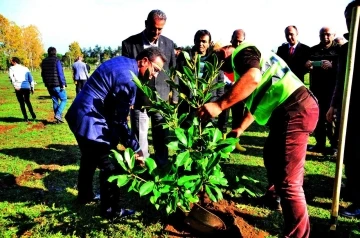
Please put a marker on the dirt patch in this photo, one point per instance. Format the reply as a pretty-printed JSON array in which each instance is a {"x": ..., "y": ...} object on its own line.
[
  {"x": 227, "y": 211},
  {"x": 5, "y": 128},
  {"x": 28, "y": 175},
  {"x": 50, "y": 167},
  {"x": 37, "y": 126}
]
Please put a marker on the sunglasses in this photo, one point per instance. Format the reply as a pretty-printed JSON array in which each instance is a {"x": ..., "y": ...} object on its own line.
[{"x": 156, "y": 68}]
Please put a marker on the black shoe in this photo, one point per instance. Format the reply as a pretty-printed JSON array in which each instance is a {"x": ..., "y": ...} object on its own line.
[
  {"x": 83, "y": 201},
  {"x": 116, "y": 213},
  {"x": 59, "y": 119},
  {"x": 316, "y": 149},
  {"x": 351, "y": 211},
  {"x": 26, "y": 120},
  {"x": 272, "y": 203},
  {"x": 331, "y": 151}
]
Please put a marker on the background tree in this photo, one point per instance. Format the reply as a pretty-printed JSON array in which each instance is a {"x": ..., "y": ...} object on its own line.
[
  {"x": 32, "y": 46},
  {"x": 74, "y": 51}
]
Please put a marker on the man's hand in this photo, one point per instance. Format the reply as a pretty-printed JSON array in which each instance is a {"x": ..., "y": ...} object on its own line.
[
  {"x": 209, "y": 110},
  {"x": 325, "y": 64},
  {"x": 330, "y": 114},
  {"x": 308, "y": 64},
  {"x": 139, "y": 157}
]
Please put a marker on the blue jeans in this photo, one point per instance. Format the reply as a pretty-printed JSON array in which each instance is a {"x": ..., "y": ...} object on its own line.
[{"x": 57, "y": 94}]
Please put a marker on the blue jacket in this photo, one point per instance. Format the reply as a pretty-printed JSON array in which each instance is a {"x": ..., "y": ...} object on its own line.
[{"x": 99, "y": 112}]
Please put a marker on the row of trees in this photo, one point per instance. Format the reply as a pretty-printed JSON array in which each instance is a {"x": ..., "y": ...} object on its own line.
[
  {"x": 23, "y": 42},
  {"x": 26, "y": 44}
]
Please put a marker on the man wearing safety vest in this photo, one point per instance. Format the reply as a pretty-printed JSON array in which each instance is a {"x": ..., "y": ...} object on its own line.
[{"x": 275, "y": 97}]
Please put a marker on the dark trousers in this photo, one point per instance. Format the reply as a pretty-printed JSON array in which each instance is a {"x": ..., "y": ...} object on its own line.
[
  {"x": 79, "y": 85},
  {"x": 93, "y": 155},
  {"x": 23, "y": 97},
  {"x": 284, "y": 158},
  {"x": 237, "y": 113},
  {"x": 352, "y": 155},
  {"x": 325, "y": 129}
]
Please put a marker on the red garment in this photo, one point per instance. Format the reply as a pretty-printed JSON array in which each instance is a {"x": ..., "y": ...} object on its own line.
[{"x": 291, "y": 50}]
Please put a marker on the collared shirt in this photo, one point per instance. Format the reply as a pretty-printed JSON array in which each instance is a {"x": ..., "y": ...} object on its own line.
[{"x": 147, "y": 43}]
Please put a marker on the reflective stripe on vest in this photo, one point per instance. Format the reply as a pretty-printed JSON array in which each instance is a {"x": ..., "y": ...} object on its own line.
[{"x": 278, "y": 82}]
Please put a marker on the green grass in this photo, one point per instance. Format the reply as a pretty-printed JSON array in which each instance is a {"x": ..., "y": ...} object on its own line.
[{"x": 39, "y": 162}]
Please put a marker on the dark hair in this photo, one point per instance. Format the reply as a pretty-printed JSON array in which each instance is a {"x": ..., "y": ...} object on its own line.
[
  {"x": 201, "y": 33},
  {"x": 156, "y": 14},
  {"x": 52, "y": 51},
  {"x": 351, "y": 5},
  {"x": 151, "y": 53},
  {"x": 16, "y": 60}
]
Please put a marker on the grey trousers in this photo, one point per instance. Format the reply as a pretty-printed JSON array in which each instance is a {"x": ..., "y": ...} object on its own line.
[{"x": 140, "y": 126}]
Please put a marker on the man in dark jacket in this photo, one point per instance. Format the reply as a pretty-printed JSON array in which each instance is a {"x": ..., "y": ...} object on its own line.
[
  {"x": 98, "y": 119},
  {"x": 294, "y": 53},
  {"x": 139, "y": 114},
  {"x": 53, "y": 77},
  {"x": 352, "y": 140}
]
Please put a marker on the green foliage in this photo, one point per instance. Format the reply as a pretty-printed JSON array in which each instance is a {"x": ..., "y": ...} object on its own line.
[
  {"x": 39, "y": 168},
  {"x": 195, "y": 164}
]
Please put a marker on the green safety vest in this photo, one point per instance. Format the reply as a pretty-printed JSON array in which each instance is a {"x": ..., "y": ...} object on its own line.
[{"x": 278, "y": 82}]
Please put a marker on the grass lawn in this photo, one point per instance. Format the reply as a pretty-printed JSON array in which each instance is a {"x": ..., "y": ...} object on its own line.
[{"x": 39, "y": 162}]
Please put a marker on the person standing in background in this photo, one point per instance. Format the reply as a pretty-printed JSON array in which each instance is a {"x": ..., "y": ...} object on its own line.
[
  {"x": 139, "y": 114},
  {"x": 23, "y": 83},
  {"x": 322, "y": 64},
  {"x": 352, "y": 140},
  {"x": 294, "y": 53},
  {"x": 238, "y": 109},
  {"x": 80, "y": 74},
  {"x": 53, "y": 77}
]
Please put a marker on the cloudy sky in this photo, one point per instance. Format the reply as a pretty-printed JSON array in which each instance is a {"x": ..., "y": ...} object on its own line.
[{"x": 108, "y": 22}]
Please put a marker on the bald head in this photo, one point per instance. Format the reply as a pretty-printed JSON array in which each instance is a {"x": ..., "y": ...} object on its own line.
[
  {"x": 326, "y": 36},
  {"x": 237, "y": 37},
  {"x": 291, "y": 35}
]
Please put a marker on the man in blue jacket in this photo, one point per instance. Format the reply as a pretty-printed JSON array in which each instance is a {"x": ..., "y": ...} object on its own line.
[{"x": 98, "y": 119}]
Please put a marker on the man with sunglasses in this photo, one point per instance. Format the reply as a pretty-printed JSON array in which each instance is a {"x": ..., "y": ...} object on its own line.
[{"x": 98, "y": 119}]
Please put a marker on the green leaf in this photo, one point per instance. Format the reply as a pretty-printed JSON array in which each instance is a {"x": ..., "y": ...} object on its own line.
[
  {"x": 182, "y": 157},
  {"x": 188, "y": 72},
  {"x": 121, "y": 179},
  {"x": 210, "y": 194},
  {"x": 132, "y": 186},
  {"x": 128, "y": 159},
  {"x": 219, "y": 195},
  {"x": 217, "y": 135},
  {"x": 150, "y": 164},
  {"x": 119, "y": 159},
  {"x": 185, "y": 179},
  {"x": 174, "y": 145},
  {"x": 146, "y": 188},
  {"x": 112, "y": 178},
  {"x": 165, "y": 189},
  {"x": 181, "y": 136}
]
